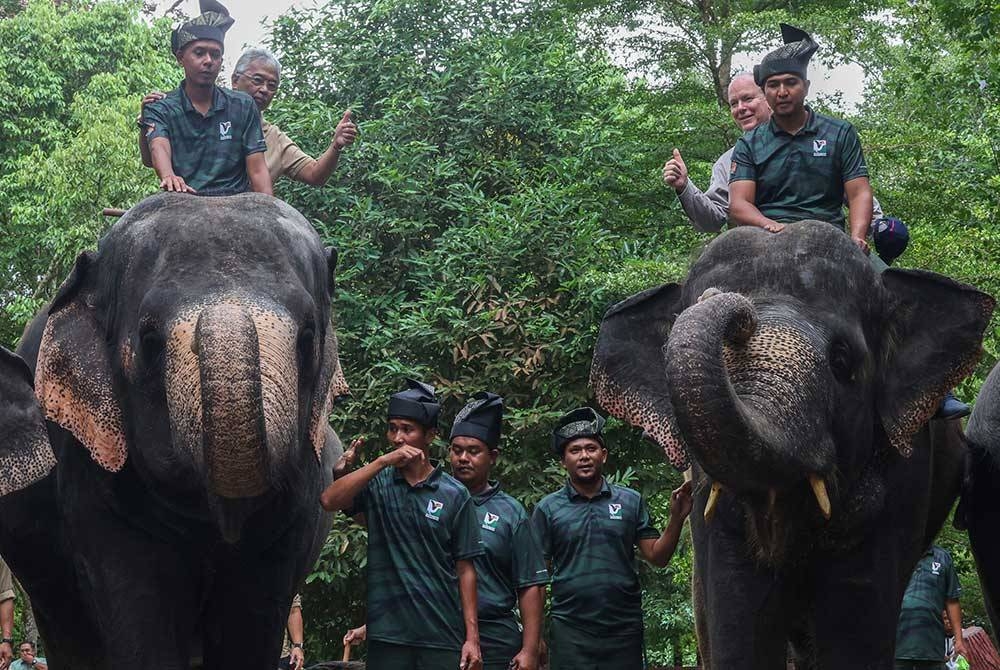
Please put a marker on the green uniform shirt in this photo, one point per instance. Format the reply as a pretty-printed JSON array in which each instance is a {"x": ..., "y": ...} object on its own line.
[
  {"x": 920, "y": 633},
  {"x": 209, "y": 152},
  {"x": 591, "y": 543},
  {"x": 800, "y": 176},
  {"x": 415, "y": 535},
  {"x": 513, "y": 561}
]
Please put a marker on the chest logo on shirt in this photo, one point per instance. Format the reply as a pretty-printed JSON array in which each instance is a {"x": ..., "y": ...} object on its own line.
[
  {"x": 935, "y": 568},
  {"x": 819, "y": 148},
  {"x": 614, "y": 511},
  {"x": 490, "y": 522},
  {"x": 225, "y": 130},
  {"x": 434, "y": 508}
]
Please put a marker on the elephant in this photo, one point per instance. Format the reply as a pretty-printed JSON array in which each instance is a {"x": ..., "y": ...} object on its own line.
[
  {"x": 977, "y": 511},
  {"x": 165, "y": 437},
  {"x": 798, "y": 384}
]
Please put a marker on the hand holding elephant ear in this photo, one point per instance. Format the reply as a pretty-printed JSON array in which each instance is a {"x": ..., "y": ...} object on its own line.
[
  {"x": 25, "y": 456},
  {"x": 935, "y": 329}
]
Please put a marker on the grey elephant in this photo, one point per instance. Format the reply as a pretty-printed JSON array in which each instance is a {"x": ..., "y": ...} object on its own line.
[
  {"x": 165, "y": 437},
  {"x": 799, "y": 382},
  {"x": 977, "y": 510}
]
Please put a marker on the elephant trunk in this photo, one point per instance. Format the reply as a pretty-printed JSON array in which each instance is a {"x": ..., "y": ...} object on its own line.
[
  {"x": 233, "y": 424},
  {"x": 739, "y": 386}
]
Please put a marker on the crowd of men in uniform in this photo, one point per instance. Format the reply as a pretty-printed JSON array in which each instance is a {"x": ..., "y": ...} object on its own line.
[{"x": 457, "y": 568}]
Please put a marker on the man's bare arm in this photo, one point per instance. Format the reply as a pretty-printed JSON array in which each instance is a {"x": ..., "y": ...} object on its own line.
[
  {"x": 340, "y": 494},
  {"x": 260, "y": 178},
  {"x": 472, "y": 658},
  {"x": 859, "y": 206},
  {"x": 743, "y": 211},
  {"x": 162, "y": 158}
]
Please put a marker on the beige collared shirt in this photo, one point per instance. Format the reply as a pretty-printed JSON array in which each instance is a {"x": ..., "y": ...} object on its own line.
[{"x": 283, "y": 156}]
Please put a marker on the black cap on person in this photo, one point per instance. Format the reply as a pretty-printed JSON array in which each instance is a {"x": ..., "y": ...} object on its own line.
[
  {"x": 211, "y": 24},
  {"x": 417, "y": 402},
  {"x": 481, "y": 418},
  {"x": 581, "y": 422},
  {"x": 792, "y": 58}
]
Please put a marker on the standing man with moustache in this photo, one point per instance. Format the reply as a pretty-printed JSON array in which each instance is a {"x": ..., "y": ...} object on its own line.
[
  {"x": 590, "y": 530},
  {"x": 423, "y": 539},
  {"x": 512, "y": 571}
]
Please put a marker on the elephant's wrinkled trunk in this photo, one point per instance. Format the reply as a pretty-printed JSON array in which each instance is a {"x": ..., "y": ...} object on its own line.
[
  {"x": 234, "y": 430},
  {"x": 738, "y": 388}
]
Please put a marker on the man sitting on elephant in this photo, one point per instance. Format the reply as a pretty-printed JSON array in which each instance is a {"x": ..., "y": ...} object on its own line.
[
  {"x": 800, "y": 165},
  {"x": 203, "y": 138}
]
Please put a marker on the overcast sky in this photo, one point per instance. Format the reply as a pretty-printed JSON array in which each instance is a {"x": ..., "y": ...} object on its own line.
[{"x": 247, "y": 31}]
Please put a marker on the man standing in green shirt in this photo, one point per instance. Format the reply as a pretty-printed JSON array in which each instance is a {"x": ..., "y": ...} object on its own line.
[
  {"x": 589, "y": 531},
  {"x": 202, "y": 138},
  {"x": 920, "y": 636},
  {"x": 512, "y": 571},
  {"x": 799, "y": 165},
  {"x": 422, "y": 540}
]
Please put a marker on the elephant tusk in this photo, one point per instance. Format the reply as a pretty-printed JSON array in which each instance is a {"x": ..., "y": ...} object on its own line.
[
  {"x": 713, "y": 498},
  {"x": 819, "y": 490},
  {"x": 708, "y": 293}
]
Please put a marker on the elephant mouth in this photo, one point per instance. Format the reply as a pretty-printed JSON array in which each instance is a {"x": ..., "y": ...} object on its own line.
[{"x": 740, "y": 382}]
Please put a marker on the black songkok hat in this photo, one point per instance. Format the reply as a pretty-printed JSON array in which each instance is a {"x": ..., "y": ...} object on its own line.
[
  {"x": 417, "y": 403},
  {"x": 792, "y": 58},
  {"x": 481, "y": 419},
  {"x": 211, "y": 25},
  {"x": 581, "y": 422}
]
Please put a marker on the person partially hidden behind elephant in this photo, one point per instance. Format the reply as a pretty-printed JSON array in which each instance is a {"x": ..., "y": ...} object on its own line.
[
  {"x": 202, "y": 138},
  {"x": 589, "y": 531},
  {"x": 422, "y": 538},
  {"x": 292, "y": 649},
  {"x": 920, "y": 635},
  {"x": 258, "y": 74},
  {"x": 28, "y": 660},
  {"x": 7, "y": 595},
  {"x": 512, "y": 572}
]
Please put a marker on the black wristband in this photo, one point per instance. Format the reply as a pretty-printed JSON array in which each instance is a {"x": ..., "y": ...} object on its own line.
[
  {"x": 8, "y": 640},
  {"x": 296, "y": 645}
]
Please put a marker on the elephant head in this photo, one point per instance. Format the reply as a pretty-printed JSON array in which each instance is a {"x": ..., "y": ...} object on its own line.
[
  {"x": 789, "y": 369},
  {"x": 197, "y": 345}
]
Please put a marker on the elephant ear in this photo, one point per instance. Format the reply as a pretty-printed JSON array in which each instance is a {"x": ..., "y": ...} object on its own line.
[
  {"x": 628, "y": 373},
  {"x": 73, "y": 376},
  {"x": 332, "y": 383},
  {"x": 25, "y": 455},
  {"x": 935, "y": 336}
]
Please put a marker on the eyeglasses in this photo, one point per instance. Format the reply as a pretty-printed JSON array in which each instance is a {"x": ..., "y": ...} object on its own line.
[{"x": 258, "y": 80}]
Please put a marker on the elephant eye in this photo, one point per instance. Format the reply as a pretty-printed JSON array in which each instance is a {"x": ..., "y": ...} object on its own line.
[
  {"x": 151, "y": 345},
  {"x": 841, "y": 361},
  {"x": 305, "y": 345}
]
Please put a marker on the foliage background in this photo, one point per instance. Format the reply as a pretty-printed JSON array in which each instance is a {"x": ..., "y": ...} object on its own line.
[{"x": 505, "y": 191}]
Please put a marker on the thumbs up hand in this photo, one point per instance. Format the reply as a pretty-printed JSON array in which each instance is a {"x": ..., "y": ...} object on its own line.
[
  {"x": 346, "y": 132},
  {"x": 675, "y": 172}
]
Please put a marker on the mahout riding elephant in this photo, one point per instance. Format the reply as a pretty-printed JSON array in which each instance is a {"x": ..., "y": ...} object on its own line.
[
  {"x": 978, "y": 510},
  {"x": 799, "y": 382},
  {"x": 164, "y": 437}
]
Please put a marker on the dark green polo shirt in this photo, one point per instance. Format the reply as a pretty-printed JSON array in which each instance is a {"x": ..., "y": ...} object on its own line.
[
  {"x": 591, "y": 543},
  {"x": 415, "y": 536},
  {"x": 513, "y": 561},
  {"x": 209, "y": 152},
  {"x": 800, "y": 176},
  {"x": 920, "y": 632}
]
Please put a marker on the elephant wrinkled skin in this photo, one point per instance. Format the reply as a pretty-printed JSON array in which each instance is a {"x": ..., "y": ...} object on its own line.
[
  {"x": 166, "y": 439},
  {"x": 800, "y": 383}
]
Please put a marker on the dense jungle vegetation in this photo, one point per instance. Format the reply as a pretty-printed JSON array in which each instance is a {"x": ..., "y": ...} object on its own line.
[{"x": 504, "y": 191}]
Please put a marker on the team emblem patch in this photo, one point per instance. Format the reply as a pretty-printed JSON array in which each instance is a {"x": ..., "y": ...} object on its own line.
[
  {"x": 614, "y": 510},
  {"x": 434, "y": 508},
  {"x": 819, "y": 148},
  {"x": 935, "y": 568},
  {"x": 490, "y": 522},
  {"x": 225, "y": 130}
]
